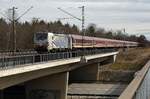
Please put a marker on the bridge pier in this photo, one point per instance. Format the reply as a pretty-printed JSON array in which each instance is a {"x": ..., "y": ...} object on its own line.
[
  {"x": 89, "y": 72},
  {"x": 1, "y": 94},
  {"x": 49, "y": 87},
  {"x": 114, "y": 57},
  {"x": 86, "y": 73}
]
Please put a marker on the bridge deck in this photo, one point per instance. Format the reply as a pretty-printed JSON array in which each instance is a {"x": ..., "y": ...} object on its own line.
[{"x": 54, "y": 63}]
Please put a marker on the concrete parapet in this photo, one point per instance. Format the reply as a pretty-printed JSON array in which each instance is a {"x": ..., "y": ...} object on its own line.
[{"x": 133, "y": 88}]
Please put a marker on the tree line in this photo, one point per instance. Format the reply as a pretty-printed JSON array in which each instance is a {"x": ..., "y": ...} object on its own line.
[{"x": 25, "y": 33}]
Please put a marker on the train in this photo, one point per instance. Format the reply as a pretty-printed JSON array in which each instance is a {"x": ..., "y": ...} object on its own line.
[{"x": 48, "y": 41}]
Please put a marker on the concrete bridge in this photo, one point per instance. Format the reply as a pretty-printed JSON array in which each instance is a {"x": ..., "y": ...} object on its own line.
[{"x": 50, "y": 80}]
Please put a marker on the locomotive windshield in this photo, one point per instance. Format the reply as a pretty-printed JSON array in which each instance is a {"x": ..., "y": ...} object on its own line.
[{"x": 41, "y": 36}]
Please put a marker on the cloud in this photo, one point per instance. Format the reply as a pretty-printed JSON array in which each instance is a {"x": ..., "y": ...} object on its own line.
[{"x": 111, "y": 14}]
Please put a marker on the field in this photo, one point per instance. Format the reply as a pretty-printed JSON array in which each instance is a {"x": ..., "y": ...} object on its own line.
[
  {"x": 127, "y": 63},
  {"x": 131, "y": 59}
]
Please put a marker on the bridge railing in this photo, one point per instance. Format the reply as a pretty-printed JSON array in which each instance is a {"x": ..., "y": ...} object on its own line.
[
  {"x": 139, "y": 88},
  {"x": 11, "y": 53},
  {"x": 143, "y": 91},
  {"x": 18, "y": 60}
]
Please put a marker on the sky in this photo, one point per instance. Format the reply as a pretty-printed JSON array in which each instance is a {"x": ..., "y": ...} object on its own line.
[{"x": 133, "y": 15}]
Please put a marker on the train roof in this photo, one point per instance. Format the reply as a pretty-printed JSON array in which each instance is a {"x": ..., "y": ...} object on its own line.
[{"x": 98, "y": 38}]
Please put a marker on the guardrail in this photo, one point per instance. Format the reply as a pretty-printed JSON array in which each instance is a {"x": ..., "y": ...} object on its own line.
[
  {"x": 7, "y": 53},
  {"x": 139, "y": 88},
  {"x": 18, "y": 60}
]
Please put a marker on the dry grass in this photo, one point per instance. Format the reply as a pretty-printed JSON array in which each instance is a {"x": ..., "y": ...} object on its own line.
[{"x": 131, "y": 59}]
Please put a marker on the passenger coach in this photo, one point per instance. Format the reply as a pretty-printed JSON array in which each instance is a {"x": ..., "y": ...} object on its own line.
[{"x": 60, "y": 42}]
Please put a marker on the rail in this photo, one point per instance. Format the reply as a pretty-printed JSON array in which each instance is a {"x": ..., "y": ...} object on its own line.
[
  {"x": 139, "y": 88},
  {"x": 18, "y": 60}
]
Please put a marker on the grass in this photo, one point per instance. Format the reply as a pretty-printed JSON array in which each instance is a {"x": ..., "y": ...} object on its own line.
[{"x": 131, "y": 59}]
